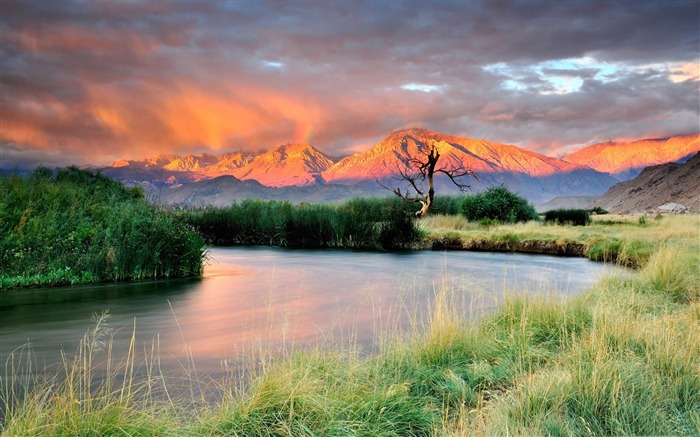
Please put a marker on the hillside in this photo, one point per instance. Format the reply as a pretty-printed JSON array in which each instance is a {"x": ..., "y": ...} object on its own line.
[
  {"x": 625, "y": 160},
  {"x": 654, "y": 187}
]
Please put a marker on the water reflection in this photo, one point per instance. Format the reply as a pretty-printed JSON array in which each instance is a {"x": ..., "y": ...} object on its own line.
[{"x": 275, "y": 297}]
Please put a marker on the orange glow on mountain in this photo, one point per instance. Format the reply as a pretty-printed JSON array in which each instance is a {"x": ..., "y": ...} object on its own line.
[{"x": 619, "y": 156}]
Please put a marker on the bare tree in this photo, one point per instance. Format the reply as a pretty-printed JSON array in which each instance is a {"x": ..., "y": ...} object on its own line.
[{"x": 421, "y": 170}]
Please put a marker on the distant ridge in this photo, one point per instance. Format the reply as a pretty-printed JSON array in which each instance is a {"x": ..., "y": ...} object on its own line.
[
  {"x": 537, "y": 177},
  {"x": 625, "y": 160},
  {"x": 565, "y": 202}
]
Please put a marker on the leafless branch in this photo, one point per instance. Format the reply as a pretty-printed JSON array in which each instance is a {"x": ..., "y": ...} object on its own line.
[
  {"x": 420, "y": 170},
  {"x": 403, "y": 175},
  {"x": 455, "y": 174}
]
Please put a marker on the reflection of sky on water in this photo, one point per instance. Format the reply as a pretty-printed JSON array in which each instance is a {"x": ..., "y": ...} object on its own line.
[{"x": 269, "y": 296}]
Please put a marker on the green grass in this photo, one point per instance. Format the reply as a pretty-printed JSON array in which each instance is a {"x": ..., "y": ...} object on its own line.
[
  {"x": 621, "y": 359},
  {"x": 617, "y": 239},
  {"x": 72, "y": 226}
]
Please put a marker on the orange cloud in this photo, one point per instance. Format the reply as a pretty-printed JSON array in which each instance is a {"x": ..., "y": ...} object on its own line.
[
  {"x": 100, "y": 81},
  {"x": 184, "y": 117}
]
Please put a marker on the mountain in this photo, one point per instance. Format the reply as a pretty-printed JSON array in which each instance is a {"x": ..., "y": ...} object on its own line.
[
  {"x": 532, "y": 175},
  {"x": 625, "y": 160},
  {"x": 150, "y": 178},
  {"x": 656, "y": 186},
  {"x": 537, "y": 177},
  {"x": 289, "y": 164}
]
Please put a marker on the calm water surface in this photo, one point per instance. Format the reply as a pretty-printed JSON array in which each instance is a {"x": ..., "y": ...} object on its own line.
[{"x": 276, "y": 297}]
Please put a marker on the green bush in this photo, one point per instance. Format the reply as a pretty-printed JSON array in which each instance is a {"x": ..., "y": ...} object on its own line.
[
  {"x": 575, "y": 217},
  {"x": 399, "y": 231},
  {"x": 74, "y": 226},
  {"x": 497, "y": 203}
]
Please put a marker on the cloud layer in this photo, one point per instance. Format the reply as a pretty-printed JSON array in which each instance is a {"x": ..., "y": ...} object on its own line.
[{"x": 92, "y": 82}]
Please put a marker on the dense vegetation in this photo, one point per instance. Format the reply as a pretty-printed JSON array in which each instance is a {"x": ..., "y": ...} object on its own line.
[
  {"x": 575, "y": 217},
  {"x": 358, "y": 224},
  {"x": 362, "y": 223},
  {"x": 498, "y": 204},
  {"x": 70, "y": 226},
  {"x": 619, "y": 360}
]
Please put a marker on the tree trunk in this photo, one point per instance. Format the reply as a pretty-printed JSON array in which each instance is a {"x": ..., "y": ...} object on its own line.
[{"x": 428, "y": 202}]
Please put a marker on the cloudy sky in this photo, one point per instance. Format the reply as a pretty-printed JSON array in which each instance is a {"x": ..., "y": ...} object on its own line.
[{"x": 92, "y": 82}]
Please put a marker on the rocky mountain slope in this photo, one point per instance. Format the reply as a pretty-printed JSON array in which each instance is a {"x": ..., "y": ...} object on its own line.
[
  {"x": 625, "y": 160},
  {"x": 656, "y": 186}
]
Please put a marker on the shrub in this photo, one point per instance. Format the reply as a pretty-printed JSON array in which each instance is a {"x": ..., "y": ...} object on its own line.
[
  {"x": 576, "y": 217},
  {"x": 74, "y": 226},
  {"x": 497, "y": 203},
  {"x": 399, "y": 231}
]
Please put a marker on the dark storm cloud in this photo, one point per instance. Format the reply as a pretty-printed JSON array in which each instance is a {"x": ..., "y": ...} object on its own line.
[{"x": 105, "y": 80}]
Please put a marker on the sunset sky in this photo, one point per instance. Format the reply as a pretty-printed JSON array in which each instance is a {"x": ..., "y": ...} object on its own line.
[{"x": 93, "y": 82}]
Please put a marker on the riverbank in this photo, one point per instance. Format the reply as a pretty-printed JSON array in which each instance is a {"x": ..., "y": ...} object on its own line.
[
  {"x": 619, "y": 360},
  {"x": 625, "y": 240}
]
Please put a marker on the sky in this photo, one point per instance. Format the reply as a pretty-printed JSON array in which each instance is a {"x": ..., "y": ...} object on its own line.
[{"x": 91, "y": 82}]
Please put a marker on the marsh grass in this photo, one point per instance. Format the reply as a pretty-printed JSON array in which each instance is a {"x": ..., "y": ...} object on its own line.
[{"x": 621, "y": 359}]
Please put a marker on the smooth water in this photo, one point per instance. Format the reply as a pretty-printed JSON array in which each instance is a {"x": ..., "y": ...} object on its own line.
[{"x": 270, "y": 297}]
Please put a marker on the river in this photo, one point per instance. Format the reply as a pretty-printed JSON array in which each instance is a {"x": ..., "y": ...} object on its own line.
[{"x": 270, "y": 297}]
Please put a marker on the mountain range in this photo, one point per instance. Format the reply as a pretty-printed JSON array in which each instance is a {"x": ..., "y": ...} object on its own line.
[{"x": 301, "y": 172}]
